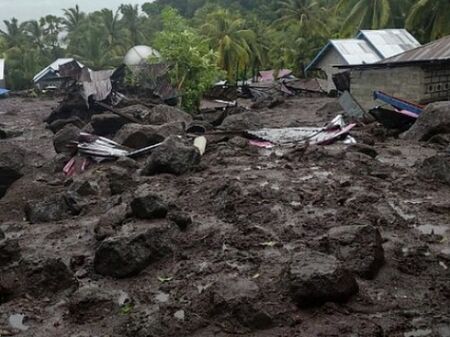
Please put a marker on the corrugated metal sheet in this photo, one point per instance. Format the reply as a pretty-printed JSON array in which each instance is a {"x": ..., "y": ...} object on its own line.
[
  {"x": 434, "y": 51},
  {"x": 2, "y": 69},
  {"x": 355, "y": 51},
  {"x": 53, "y": 67},
  {"x": 389, "y": 42}
]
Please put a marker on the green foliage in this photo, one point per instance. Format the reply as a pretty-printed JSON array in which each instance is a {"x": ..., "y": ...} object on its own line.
[
  {"x": 193, "y": 64},
  {"x": 240, "y": 37}
]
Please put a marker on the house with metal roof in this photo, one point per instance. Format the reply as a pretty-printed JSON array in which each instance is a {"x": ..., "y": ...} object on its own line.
[
  {"x": 369, "y": 46},
  {"x": 2, "y": 73},
  {"x": 421, "y": 74},
  {"x": 50, "y": 76}
]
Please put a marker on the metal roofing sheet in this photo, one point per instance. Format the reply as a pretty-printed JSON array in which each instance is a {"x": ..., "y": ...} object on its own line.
[
  {"x": 355, "y": 51},
  {"x": 2, "y": 69},
  {"x": 54, "y": 66},
  {"x": 389, "y": 42},
  {"x": 434, "y": 51}
]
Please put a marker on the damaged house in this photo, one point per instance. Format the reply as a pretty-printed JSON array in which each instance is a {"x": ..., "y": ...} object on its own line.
[
  {"x": 369, "y": 46},
  {"x": 421, "y": 75},
  {"x": 51, "y": 77}
]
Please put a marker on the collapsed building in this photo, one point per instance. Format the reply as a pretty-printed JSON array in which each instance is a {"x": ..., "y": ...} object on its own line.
[
  {"x": 369, "y": 46},
  {"x": 421, "y": 75}
]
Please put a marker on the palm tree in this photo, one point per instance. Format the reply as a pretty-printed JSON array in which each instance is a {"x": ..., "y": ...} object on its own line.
[
  {"x": 365, "y": 14},
  {"x": 131, "y": 21},
  {"x": 14, "y": 33},
  {"x": 110, "y": 23},
  {"x": 73, "y": 18},
  {"x": 34, "y": 30},
  {"x": 308, "y": 15},
  {"x": 431, "y": 18},
  {"x": 235, "y": 45}
]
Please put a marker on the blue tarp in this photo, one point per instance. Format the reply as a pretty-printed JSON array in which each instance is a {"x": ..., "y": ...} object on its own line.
[
  {"x": 3, "y": 91},
  {"x": 398, "y": 103}
]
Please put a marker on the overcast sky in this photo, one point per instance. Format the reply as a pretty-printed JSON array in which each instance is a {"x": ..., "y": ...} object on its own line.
[{"x": 34, "y": 9}]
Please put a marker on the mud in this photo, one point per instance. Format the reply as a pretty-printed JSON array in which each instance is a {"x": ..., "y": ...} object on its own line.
[{"x": 247, "y": 214}]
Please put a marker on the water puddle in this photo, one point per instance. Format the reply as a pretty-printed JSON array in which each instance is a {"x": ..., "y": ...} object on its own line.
[
  {"x": 433, "y": 229},
  {"x": 16, "y": 322}
]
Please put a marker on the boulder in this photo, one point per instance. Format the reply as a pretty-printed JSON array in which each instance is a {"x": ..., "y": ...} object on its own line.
[
  {"x": 92, "y": 303},
  {"x": 173, "y": 156},
  {"x": 358, "y": 247},
  {"x": 162, "y": 114},
  {"x": 64, "y": 137},
  {"x": 110, "y": 221},
  {"x": 363, "y": 148},
  {"x": 53, "y": 208},
  {"x": 85, "y": 188},
  {"x": 180, "y": 218},
  {"x": 107, "y": 123},
  {"x": 435, "y": 119},
  {"x": 2, "y": 234},
  {"x": 316, "y": 278},
  {"x": 11, "y": 164},
  {"x": 149, "y": 206},
  {"x": 243, "y": 121},
  {"x": 138, "y": 136},
  {"x": 436, "y": 168},
  {"x": 46, "y": 277},
  {"x": 9, "y": 251},
  {"x": 120, "y": 180},
  {"x": 138, "y": 111},
  {"x": 124, "y": 256},
  {"x": 59, "y": 124}
]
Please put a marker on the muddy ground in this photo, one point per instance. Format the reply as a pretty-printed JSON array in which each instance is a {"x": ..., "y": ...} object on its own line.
[{"x": 252, "y": 210}]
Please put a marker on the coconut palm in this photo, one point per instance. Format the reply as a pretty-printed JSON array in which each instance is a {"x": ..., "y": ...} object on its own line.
[
  {"x": 14, "y": 33},
  {"x": 110, "y": 23},
  {"x": 365, "y": 14},
  {"x": 235, "y": 44},
  {"x": 73, "y": 19},
  {"x": 430, "y": 18},
  {"x": 308, "y": 15},
  {"x": 130, "y": 20}
]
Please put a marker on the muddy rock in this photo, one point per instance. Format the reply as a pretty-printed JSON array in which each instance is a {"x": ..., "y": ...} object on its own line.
[
  {"x": 2, "y": 234},
  {"x": 138, "y": 111},
  {"x": 146, "y": 323},
  {"x": 110, "y": 221},
  {"x": 85, "y": 188},
  {"x": 59, "y": 124},
  {"x": 173, "y": 156},
  {"x": 358, "y": 247},
  {"x": 149, "y": 206},
  {"x": 11, "y": 165},
  {"x": 139, "y": 136},
  {"x": 434, "y": 120},
  {"x": 180, "y": 218},
  {"x": 244, "y": 121},
  {"x": 120, "y": 180},
  {"x": 107, "y": 124},
  {"x": 123, "y": 256},
  {"x": 92, "y": 303},
  {"x": 435, "y": 168},
  {"x": 46, "y": 277},
  {"x": 9, "y": 251},
  {"x": 365, "y": 149},
  {"x": 53, "y": 208},
  {"x": 162, "y": 114},
  {"x": 316, "y": 278},
  {"x": 64, "y": 137}
]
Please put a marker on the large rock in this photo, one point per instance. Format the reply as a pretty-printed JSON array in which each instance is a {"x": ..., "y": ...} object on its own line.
[
  {"x": 436, "y": 168},
  {"x": 53, "y": 208},
  {"x": 120, "y": 180},
  {"x": 59, "y": 124},
  {"x": 149, "y": 206},
  {"x": 107, "y": 124},
  {"x": 435, "y": 119},
  {"x": 92, "y": 303},
  {"x": 358, "y": 247},
  {"x": 11, "y": 165},
  {"x": 173, "y": 156},
  {"x": 110, "y": 221},
  {"x": 64, "y": 137},
  {"x": 9, "y": 251},
  {"x": 123, "y": 256},
  {"x": 139, "y": 136},
  {"x": 162, "y": 114},
  {"x": 316, "y": 278},
  {"x": 243, "y": 121}
]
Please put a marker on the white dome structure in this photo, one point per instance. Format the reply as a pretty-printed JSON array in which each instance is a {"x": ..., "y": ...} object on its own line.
[{"x": 137, "y": 54}]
